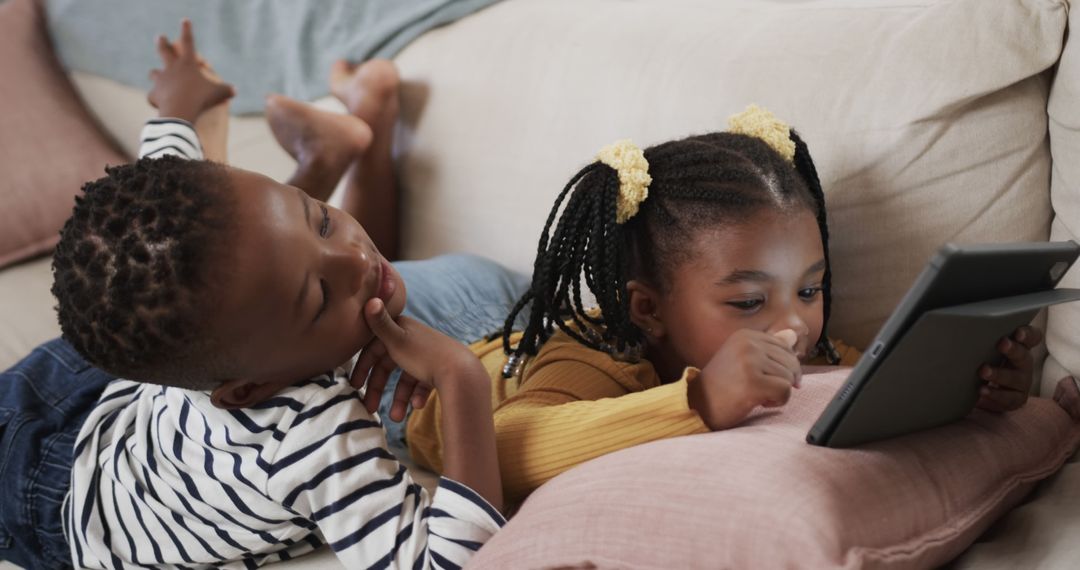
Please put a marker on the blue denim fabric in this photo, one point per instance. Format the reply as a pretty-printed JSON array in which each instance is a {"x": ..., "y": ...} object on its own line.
[
  {"x": 463, "y": 296},
  {"x": 44, "y": 400}
]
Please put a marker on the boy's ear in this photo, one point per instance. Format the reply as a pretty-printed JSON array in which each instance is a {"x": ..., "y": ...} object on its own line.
[
  {"x": 644, "y": 308},
  {"x": 242, "y": 393}
]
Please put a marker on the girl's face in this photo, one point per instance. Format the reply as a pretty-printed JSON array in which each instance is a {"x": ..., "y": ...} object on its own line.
[{"x": 764, "y": 274}]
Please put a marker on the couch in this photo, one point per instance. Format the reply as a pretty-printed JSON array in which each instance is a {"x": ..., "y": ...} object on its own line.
[{"x": 930, "y": 120}]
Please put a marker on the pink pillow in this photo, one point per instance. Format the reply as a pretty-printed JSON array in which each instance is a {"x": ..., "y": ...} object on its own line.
[
  {"x": 759, "y": 497},
  {"x": 49, "y": 144}
]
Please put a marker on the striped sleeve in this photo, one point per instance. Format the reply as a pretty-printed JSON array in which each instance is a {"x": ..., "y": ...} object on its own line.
[
  {"x": 366, "y": 505},
  {"x": 169, "y": 136}
]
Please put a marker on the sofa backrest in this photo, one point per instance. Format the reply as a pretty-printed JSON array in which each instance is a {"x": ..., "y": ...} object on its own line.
[
  {"x": 1063, "y": 325},
  {"x": 927, "y": 119}
]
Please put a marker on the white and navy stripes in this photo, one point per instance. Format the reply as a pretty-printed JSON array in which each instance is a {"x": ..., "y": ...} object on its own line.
[
  {"x": 162, "y": 478},
  {"x": 170, "y": 136}
]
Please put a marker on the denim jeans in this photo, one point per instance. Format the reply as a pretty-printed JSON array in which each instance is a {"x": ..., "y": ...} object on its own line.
[
  {"x": 45, "y": 398},
  {"x": 462, "y": 296}
]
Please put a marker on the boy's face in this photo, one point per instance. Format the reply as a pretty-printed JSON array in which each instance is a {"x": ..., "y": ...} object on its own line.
[
  {"x": 764, "y": 274},
  {"x": 292, "y": 299}
]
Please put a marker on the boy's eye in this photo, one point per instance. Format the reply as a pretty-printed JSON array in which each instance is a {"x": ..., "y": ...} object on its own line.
[
  {"x": 324, "y": 229},
  {"x": 809, "y": 293},
  {"x": 746, "y": 304},
  {"x": 325, "y": 299}
]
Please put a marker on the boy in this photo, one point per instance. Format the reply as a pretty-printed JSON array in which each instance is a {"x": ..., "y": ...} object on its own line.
[{"x": 219, "y": 288}]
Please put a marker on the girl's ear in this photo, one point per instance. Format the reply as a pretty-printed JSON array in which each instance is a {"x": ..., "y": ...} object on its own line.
[
  {"x": 644, "y": 309},
  {"x": 242, "y": 393}
]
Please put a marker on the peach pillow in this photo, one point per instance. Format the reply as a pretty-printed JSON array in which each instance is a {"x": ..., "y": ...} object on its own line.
[
  {"x": 49, "y": 144},
  {"x": 759, "y": 497}
]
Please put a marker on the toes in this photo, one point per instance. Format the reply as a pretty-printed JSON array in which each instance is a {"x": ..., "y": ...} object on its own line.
[
  {"x": 340, "y": 73},
  {"x": 379, "y": 76}
]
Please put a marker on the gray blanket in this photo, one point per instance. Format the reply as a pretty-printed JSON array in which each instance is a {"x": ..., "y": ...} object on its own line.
[{"x": 260, "y": 46}]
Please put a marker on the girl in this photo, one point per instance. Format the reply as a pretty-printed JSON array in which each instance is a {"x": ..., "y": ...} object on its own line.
[{"x": 708, "y": 260}]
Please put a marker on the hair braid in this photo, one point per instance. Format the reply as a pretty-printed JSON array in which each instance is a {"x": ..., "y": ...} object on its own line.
[{"x": 804, "y": 164}]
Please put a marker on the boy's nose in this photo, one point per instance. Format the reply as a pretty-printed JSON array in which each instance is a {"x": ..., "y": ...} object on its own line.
[{"x": 355, "y": 266}]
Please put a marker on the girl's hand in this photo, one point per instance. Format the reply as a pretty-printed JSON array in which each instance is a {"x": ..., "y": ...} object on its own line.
[
  {"x": 424, "y": 355},
  {"x": 1008, "y": 385},
  {"x": 751, "y": 369},
  {"x": 187, "y": 85},
  {"x": 1067, "y": 395}
]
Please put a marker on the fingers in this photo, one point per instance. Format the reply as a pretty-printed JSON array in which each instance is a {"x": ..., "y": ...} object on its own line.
[
  {"x": 376, "y": 384},
  {"x": 372, "y": 369},
  {"x": 787, "y": 359},
  {"x": 1067, "y": 395},
  {"x": 1018, "y": 354},
  {"x": 420, "y": 396},
  {"x": 788, "y": 337},
  {"x": 404, "y": 392},
  {"x": 369, "y": 357},
  {"x": 187, "y": 39},
  {"x": 774, "y": 391},
  {"x": 1017, "y": 371},
  {"x": 382, "y": 324},
  {"x": 1001, "y": 399},
  {"x": 1028, "y": 336},
  {"x": 166, "y": 51}
]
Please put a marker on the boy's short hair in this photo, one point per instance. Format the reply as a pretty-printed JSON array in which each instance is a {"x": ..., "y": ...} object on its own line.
[{"x": 132, "y": 269}]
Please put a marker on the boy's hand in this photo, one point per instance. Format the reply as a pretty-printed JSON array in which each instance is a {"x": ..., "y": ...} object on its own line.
[
  {"x": 751, "y": 369},
  {"x": 421, "y": 352},
  {"x": 187, "y": 85},
  {"x": 1008, "y": 385}
]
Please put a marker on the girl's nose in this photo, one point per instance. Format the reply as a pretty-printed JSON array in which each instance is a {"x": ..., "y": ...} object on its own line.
[{"x": 791, "y": 320}]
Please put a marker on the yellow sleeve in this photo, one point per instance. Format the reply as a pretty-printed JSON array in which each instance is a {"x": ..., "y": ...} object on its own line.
[
  {"x": 573, "y": 404},
  {"x": 570, "y": 412}
]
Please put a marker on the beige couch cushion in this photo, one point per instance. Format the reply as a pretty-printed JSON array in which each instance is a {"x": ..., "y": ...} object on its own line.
[
  {"x": 1063, "y": 324},
  {"x": 927, "y": 118},
  {"x": 26, "y": 309}
]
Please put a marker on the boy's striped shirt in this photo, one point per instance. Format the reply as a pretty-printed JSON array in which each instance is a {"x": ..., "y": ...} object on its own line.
[{"x": 162, "y": 477}]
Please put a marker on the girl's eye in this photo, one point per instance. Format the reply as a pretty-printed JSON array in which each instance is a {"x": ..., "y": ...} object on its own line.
[
  {"x": 809, "y": 293},
  {"x": 746, "y": 304},
  {"x": 324, "y": 229}
]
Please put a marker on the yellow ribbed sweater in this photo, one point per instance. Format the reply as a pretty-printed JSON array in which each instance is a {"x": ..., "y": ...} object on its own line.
[{"x": 572, "y": 404}]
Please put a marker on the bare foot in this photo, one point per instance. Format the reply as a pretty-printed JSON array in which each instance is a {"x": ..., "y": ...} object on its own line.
[
  {"x": 324, "y": 144},
  {"x": 369, "y": 90}
]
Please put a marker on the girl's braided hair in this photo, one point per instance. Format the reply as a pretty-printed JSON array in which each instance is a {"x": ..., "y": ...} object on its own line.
[
  {"x": 698, "y": 183},
  {"x": 131, "y": 270}
]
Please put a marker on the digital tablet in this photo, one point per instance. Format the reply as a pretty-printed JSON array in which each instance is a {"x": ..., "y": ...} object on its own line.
[{"x": 921, "y": 370}]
